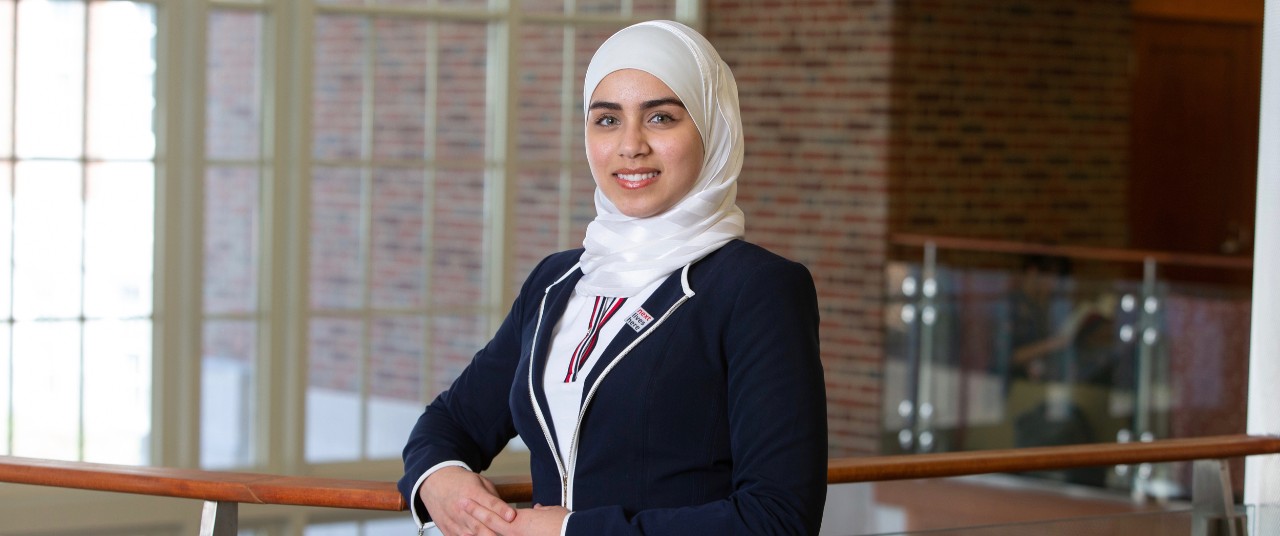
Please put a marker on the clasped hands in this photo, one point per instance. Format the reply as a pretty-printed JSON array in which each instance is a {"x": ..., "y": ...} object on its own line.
[{"x": 463, "y": 503}]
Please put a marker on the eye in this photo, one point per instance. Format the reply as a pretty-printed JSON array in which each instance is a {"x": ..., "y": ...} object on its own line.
[
  {"x": 606, "y": 121},
  {"x": 662, "y": 118}
]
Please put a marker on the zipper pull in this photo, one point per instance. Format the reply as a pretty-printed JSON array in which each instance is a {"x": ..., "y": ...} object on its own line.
[
  {"x": 422, "y": 529},
  {"x": 564, "y": 491}
]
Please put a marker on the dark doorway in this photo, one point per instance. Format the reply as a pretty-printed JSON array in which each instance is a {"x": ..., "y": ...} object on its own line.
[{"x": 1194, "y": 140}]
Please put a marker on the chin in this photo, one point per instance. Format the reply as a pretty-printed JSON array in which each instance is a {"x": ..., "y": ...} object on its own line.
[
  {"x": 638, "y": 208},
  {"x": 635, "y": 214}
]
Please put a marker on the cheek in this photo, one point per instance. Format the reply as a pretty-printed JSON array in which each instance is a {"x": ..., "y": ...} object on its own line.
[
  {"x": 594, "y": 140},
  {"x": 691, "y": 152},
  {"x": 596, "y": 158},
  {"x": 687, "y": 159}
]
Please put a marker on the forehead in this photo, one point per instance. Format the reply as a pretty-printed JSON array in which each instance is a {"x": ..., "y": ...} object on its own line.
[{"x": 631, "y": 85}]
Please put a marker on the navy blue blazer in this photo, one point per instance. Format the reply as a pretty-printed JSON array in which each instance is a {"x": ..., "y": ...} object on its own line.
[{"x": 708, "y": 419}]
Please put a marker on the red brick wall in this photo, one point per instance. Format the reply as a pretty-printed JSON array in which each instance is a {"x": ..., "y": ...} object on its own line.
[
  {"x": 998, "y": 118},
  {"x": 813, "y": 78},
  {"x": 1011, "y": 120}
]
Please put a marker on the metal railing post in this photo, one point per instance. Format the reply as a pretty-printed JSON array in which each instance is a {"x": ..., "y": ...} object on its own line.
[
  {"x": 219, "y": 518},
  {"x": 1149, "y": 392}
]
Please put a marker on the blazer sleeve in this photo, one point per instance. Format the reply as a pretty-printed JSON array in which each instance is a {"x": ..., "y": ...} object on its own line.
[
  {"x": 471, "y": 421},
  {"x": 777, "y": 421}
]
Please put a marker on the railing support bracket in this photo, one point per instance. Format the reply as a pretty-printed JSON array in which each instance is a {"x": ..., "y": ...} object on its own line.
[
  {"x": 219, "y": 518},
  {"x": 1213, "y": 502}
]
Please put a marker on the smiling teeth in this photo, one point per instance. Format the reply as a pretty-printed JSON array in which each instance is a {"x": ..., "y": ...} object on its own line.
[{"x": 636, "y": 177}]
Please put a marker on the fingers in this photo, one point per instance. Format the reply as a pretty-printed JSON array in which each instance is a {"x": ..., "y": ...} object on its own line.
[
  {"x": 494, "y": 502},
  {"x": 454, "y": 497},
  {"x": 465, "y": 523},
  {"x": 489, "y": 520},
  {"x": 497, "y": 506},
  {"x": 461, "y": 524}
]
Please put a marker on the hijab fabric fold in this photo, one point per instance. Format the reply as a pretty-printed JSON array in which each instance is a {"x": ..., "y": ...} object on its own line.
[{"x": 625, "y": 254}]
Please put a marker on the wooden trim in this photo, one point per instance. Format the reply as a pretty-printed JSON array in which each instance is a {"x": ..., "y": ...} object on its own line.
[
  {"x": 1235, "y": 11},
  {"x": 253, "y": 488},
  {"x": 1075, "y": 252}
]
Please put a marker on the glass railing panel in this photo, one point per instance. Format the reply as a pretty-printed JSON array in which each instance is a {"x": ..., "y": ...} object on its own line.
[
  {"x": 1000, "y": 350},
  {"x": 1264, "y": 519},
  {"x": 991, "y": 360}
]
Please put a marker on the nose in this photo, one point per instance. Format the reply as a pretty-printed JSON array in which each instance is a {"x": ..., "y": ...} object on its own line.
[{"x": 634, "y": 143}]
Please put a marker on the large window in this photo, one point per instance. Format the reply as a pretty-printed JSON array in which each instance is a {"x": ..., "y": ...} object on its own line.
[
  {"x": 441, "y": 158},
  {"x": 399, "y": 226},
  {"x": 235, "y": 175},
  {"x": 341, "y": 224},
  {"x": 77, "y": 175}
]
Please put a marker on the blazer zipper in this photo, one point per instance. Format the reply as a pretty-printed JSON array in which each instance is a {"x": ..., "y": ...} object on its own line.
[{"x": 566, "y": 467}]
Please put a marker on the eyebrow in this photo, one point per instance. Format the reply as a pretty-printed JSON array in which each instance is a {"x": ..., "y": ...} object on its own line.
[{"x": 643, "y": 106}]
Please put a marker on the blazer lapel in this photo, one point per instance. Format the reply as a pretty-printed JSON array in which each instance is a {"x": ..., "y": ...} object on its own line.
[
  {"x": 557, "y": 298},
  {"x": 638, "y": 324}
]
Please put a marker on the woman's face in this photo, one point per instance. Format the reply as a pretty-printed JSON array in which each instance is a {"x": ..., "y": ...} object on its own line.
[{"x": 644, "y": 149}]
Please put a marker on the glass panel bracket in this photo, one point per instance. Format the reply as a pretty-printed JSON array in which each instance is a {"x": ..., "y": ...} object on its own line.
[
  {"x": 1212, "y": 501},
  {"x": 925, "y": 366}
]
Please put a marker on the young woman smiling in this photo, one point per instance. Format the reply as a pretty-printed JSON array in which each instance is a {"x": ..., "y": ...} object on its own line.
[
  {"x": 644, "y": 149},
  {"x": 665, "y": 377}
]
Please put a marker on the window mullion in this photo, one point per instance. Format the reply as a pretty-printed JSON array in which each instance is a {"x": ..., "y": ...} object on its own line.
[
  {"x": 84, "y": 179},
  {"x": 503, "y": 71},
  {"x": 429, "y": 174},
  {"x": 180, "y": 91},
  {"x": 286, "y": 248}
]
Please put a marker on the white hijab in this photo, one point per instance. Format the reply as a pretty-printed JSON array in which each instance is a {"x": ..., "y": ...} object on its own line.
[{"x": 625, "y": 254}]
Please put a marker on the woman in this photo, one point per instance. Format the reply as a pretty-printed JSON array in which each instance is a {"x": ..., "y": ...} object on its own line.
[{"x": 666, "y": 376}]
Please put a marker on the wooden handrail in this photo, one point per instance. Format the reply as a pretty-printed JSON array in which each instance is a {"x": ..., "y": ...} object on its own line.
[
  {"x": 910, "y": 466},
  {"x": 1074, "y": 252},
  {"x": 247, "y": 488},
  {"x": 251, "y": 488}
]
